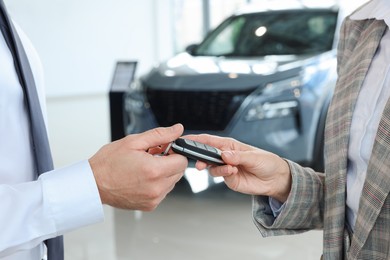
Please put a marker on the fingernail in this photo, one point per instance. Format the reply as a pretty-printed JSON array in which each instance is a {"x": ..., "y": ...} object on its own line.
[
  {"x": 176, "y": 127},
  {"x": 228, "y": 154}
]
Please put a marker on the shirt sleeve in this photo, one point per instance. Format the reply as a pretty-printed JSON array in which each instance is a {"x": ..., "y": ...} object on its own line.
[
  {"x": 59, "y": 201},
  {"x": 276, "y": 206}
]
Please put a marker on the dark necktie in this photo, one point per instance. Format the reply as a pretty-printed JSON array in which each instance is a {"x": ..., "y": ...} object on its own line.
[{"x": 41, "y": 147}]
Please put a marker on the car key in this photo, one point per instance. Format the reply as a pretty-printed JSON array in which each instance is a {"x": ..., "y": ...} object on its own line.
[{"x": 198, "y": 151}]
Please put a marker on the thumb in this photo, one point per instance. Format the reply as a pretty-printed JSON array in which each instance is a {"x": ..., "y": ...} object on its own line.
[
  {"x": 236, "y": 158},
  {"x": 161, "y": 135},
  {"x": 231, "y": 157}
]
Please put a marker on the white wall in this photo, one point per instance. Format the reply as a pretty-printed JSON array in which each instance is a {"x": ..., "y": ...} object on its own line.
[{"x": 79, "y": 41}]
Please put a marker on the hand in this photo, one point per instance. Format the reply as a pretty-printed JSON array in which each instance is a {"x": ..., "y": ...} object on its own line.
[
  {"x": 129, "y": 177},
  {"x": 249, "y": 170}
]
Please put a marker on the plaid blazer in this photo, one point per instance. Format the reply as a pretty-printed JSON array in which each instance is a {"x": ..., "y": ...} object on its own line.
[{"x": 319, "y": 202}]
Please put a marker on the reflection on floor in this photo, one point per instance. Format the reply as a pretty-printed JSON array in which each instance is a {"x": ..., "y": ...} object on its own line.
[{"x": 213, "y": 224}]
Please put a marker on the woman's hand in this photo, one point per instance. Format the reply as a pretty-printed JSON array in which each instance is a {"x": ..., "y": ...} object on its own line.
[{"x": 248, "y": 169}]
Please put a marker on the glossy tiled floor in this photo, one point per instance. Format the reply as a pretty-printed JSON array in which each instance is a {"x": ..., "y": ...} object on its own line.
[{"x": 214, "y": 224}]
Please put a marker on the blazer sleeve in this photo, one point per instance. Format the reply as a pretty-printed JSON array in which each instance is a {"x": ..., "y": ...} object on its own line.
[{"x": 303, "y": 209}]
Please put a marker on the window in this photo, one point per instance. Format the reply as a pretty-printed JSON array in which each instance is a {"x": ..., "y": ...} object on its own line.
[
  {"x": 191, "y": 23},
  {"x": 272, "y": 33}
]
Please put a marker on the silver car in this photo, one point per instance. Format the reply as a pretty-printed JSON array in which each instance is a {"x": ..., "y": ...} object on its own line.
[{"x": 262, "y": 77}]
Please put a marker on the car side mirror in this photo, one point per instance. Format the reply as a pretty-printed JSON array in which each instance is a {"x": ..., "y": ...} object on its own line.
[{"x": 191, "y": 48}]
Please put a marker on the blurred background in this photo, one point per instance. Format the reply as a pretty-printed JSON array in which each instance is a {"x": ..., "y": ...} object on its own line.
[{"x": 80, "y": 42}]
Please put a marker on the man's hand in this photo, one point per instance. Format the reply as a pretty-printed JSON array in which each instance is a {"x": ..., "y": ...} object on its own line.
[
  {"x": 129, "y": 177},
  {"x": 249, "y": 170}
]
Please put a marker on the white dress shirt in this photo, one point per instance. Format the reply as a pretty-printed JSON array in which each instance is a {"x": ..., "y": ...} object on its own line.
[{"x": 33, "y": 210}]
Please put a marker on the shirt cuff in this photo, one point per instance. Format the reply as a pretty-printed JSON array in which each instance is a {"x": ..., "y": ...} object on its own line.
[
  {"x": 276, "y": 206},
  {"x": 71, "y": 197}
]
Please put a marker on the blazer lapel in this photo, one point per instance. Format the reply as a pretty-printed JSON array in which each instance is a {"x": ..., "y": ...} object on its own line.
[
  {"x": 377, "y": 184},
  {"x": 358, "y": 47}
]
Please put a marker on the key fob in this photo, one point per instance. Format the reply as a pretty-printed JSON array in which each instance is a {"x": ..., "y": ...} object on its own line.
[{"x": 197, "y": 151}]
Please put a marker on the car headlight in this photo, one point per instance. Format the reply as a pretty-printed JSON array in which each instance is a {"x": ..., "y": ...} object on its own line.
[
  {"x": 265, "y": 109},
  {"x": 283, "y": 85},
  {"x": 272, "y": 110},
  {"x": 136, "y": 85},
  {"x": 135, "y": 100}
]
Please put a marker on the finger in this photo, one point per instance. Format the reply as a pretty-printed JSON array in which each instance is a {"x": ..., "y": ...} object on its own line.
[
  {"x": 172, "y": 165},
  {"x": 169, "y": 184},
  {"x": 216, "y": 141},
  {"x": 223, "y": 171},
  {"x": 222, "y": 143},
  {"x": 245, "y": 158},
  {"x": 199, "y": 165},
  {"x": 216, "y": 171},
  {"x": 231, "y": 157},
  {"x": 160, "y": 135}
]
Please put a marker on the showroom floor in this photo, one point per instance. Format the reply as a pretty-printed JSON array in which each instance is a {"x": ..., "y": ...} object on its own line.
[{"x": 213, "y": 224}]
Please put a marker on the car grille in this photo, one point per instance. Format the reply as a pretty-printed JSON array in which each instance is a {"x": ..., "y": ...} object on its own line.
[{"x": 196, "y": 110}]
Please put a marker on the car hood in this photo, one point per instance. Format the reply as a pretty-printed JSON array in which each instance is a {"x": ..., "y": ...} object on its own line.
[{"x": 186, "y": 72}]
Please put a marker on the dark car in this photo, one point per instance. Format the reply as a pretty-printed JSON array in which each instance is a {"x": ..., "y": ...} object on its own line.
[{"x": 262, "y": 77}]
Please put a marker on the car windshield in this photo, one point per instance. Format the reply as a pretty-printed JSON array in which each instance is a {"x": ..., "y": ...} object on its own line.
[{"x": 296, "y": 32}]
